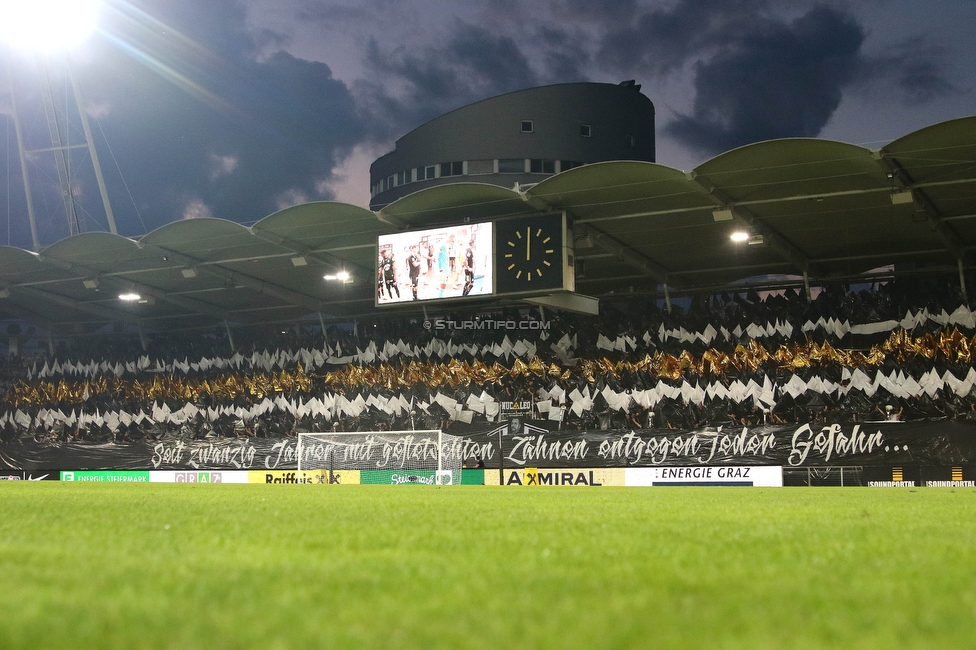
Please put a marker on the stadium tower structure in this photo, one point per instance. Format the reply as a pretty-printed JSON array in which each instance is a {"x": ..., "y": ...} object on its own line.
[{"x": 518, "y": 139}]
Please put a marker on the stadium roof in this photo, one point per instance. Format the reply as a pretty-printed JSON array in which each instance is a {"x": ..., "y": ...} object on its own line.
[{"x": 824, "y": 208}]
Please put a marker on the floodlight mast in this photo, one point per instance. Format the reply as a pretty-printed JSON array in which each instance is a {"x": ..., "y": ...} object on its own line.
[
  {"x": 23, "y": 159},
  {"x": 60, "y": 149},
  {"x": 35, "y": 24},
  {"x": 93, "y": 154}
]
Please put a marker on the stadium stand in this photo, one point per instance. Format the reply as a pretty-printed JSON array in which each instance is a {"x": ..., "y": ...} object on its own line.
[
  {"x": 744, "y": 342},
  {"x": 900, "y": 349}
]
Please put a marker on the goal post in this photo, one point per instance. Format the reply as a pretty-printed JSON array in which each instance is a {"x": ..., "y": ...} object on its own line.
[{"x": 427, "y": 457}]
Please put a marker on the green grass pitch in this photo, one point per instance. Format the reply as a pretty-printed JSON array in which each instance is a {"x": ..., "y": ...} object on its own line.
[{"x": 290, "y": 566}]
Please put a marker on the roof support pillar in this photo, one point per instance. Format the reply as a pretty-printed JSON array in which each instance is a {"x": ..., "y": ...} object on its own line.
[
  {"x": 230, "y": 336},
  {"x": 806, "y": 286},
  {"x": 667, "y": 298},
  {"x": 962, "y": 282}
]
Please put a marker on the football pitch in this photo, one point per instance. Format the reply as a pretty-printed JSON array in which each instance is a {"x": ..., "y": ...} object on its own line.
[{"x": 289, "y": 566}]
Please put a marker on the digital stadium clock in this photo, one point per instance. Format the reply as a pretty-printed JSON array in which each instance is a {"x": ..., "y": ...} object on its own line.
[{"x": 530, "y": 254}]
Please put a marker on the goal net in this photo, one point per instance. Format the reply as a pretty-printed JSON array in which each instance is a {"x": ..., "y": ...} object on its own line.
[{"x": 380, "y": 457}]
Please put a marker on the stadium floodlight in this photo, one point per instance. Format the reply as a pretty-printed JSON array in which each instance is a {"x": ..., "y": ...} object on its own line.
[
  {"x": 739, "y": 236},
  {"x": 47, "y": 25},
  {"x": 429, "y": 457},
  {"x": 130, "y": 296},
  {"x": 341, "y": 276}
]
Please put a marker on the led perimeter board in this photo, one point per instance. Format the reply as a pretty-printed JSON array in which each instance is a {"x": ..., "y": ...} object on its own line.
[{"x": 451, "y": 262}]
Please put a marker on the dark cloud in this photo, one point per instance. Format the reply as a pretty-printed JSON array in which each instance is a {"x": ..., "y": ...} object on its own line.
[
  {"x": 200, "y": 125},
  {"x": 780, "y": 80},
  {"x": 916, "y": 68},
  {"x": 564, "y": 59},
  {"x": 205, "y": 114},
  {"x": 663, "y": 40},
  {"x": 329, "y": 13},
  {"x": 597, "y": 11},
  {"x": 470, "y": 65},
  {"x": 758, "y": 75},
  {"x": 493, "y": 62}
]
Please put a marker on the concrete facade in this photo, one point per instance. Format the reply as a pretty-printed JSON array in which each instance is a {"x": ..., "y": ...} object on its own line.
[{"x": 520, "y": 138}]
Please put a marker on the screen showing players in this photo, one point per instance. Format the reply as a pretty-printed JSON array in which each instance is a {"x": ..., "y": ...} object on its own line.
[{"x": 449, "y": 262}]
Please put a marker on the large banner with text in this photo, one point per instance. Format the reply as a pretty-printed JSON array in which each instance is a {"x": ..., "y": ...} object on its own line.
[{"x": 535, "y": 445}]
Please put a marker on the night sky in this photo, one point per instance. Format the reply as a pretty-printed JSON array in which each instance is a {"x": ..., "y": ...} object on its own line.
[{"x": 237, "y": 109}]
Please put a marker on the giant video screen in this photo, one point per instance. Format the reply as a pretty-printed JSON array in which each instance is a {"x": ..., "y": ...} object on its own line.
[{"x": 436, "y": 264}]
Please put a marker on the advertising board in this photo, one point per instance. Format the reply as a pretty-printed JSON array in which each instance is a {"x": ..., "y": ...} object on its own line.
[
  {"x": 205, "y": 477},
  {"x": 106, "y": 476},
  {"x": 310, "y": 477},
  {"x": 727, "y": 475},
  {"x": 563, "y": 477}
]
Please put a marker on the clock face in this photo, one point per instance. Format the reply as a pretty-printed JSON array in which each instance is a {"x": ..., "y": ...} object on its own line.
[{"x": 529, "y": 254}]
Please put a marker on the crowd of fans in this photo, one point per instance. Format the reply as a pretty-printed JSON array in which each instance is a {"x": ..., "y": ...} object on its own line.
[{"x": 734, "y": 359}]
